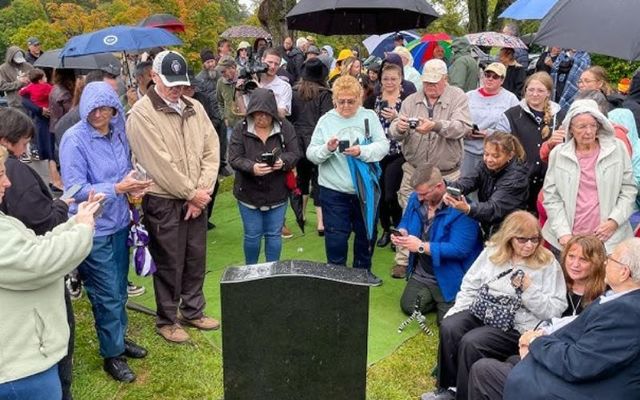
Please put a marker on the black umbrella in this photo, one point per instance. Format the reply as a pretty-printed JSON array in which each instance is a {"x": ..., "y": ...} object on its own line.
[
  {"x": 605, "y": 27},
  {"x": 164, "y": 21},
  {"x": 103, "y": 61},
  {"x": 356, "y": 17}
]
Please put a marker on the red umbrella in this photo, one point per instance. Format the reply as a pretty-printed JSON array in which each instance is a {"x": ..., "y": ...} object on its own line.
[{"x": 164, "y": 21}]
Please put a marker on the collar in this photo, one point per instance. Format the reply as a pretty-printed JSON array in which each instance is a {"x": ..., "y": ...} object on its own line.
[
  {"x": 251, "y": 127},
  {"x": 610, "y": 295},
  {"x": 161, "y": 105}
]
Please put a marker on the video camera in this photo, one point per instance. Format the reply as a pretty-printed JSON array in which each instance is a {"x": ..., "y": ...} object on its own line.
[{"x": 249, "y": 73}]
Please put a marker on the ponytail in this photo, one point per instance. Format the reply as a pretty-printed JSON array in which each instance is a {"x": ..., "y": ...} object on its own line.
[{"x": 508, "y": 143}]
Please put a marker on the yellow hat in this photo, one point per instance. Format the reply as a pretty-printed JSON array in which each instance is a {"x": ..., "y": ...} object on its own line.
[
  {"x": 243, "y": 45},
  {"x": 344, "y": 54}
]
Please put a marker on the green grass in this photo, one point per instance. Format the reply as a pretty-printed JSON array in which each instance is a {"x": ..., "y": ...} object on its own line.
[{"x": 399, "y": 364}]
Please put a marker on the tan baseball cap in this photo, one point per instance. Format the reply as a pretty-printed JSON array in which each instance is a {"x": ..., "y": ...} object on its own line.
[
  {"x": 497, "y": 68},
  {"x": 434, "y": 70}
]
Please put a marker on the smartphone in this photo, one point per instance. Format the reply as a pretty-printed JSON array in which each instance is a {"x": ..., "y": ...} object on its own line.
[
  {"x": 475, "y": 132},
  {"x": 343, "y": 145},
  {"x": 396, "y": 232},
  {"x": 455, "y": 192},
  {"x": 100, "y": 209},
  {"x": 73, "y": 190},
  {"x": 141, "y": 173},
  {"x": 384, "y": 104},
  {"x": 268, "y": 158}
]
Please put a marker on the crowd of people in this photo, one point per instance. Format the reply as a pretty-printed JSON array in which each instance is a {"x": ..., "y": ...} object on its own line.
[{"x": 506, "y": 197}]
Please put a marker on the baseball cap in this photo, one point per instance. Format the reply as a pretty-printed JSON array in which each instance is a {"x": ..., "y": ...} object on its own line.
[
  {"x": 33, "y": 41},
  {"x": 172, "y": 68},
  {"x": 433, "y": 71},
  {"x": 313, "y": 50},
  {"x": 225, "y": 62},
  {"x": 498, "y": 68}
]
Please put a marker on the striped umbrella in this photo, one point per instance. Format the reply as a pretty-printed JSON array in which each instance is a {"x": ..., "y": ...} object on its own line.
[{"x": 422, "y": 49}]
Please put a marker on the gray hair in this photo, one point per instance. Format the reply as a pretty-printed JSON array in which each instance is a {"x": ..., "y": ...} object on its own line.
[
  {"x": 630, "y": 256},
  {"x": 598, "y": 97},
  {"x": 511, "y": 28},
  {"x": 301, "y": 42},
  {"x": 426, "y": 173}
]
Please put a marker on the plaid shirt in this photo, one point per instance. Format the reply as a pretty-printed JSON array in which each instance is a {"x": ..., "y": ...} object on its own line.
[{"x": 581, "y": 61}]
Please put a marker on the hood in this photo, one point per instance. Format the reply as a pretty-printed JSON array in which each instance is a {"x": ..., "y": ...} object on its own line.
[
  {"x": 263, "y": 100},
  {"x": 329, "y": 50},
  {"x": 634, "y": 89},
  {"x": 590, "y": 107},
  {"x": 555, "y": 107},
  {"x": 344, "y": 54},
  {"x": 625, "y": 118},
  {"x": 11, "y": 51},
  {"x": 403, "y": 51},
  {"x": 98, "y": 94},
  {"x": 461, "y": 46}
]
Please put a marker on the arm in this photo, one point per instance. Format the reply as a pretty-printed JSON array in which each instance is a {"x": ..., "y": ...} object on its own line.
[
  {"x": 473, "y": 279},
  {"x": 237, "y": 157},
  {"x": 503, "y": 124},
  {"x": 317, "y": 152},
  {"x": 464, "y": 234},
  {"x": 379, "y": 146},
  {"x": 508, "y": 196},
  {"x": 468, "y": 183},
  {"x": 553, "y": 202},
  {"x": 210, "y": 158},
  {"x": 10, "y": 86},
  {"x": 459, "y": 122},
  {"x": 625, "y": 203},
  {"x": 292, "y": 152},
  {"x": 546, "y": 297}
]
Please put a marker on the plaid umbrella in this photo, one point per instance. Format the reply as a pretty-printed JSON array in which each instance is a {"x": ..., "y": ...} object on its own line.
[
  {"x": 422, "y": 49},
  {"x": 245, "y": 31},
  {"x": 495, "y": 39},
  {"x": 138, "y": 240}
]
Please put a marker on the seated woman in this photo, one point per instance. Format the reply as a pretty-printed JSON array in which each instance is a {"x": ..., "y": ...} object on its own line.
[
  {"x": 583, "y": 263},
  {"x": 514, "y": 264},
  {"x": 35, "y": 332},
  {"x": 260, "y": 183},
  {"x": 501, "y": 181},
  {"x": 589, "y": 187}
]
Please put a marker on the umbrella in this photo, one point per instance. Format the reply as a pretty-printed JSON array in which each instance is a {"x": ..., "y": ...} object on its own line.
[
  {"x": 356, "y": 17},
  {"x": 138, "y": 240},
  {"x": 604, "y": 27},
  {"x": 295, "y": 197},
  {"x": 378, "y": 45},
  {"x": 164, "y": 21},
  {"x": 366, "y": 180},
  {"x": 422, "y": 49},
  {"x": 245, "y": 31},
  {"x": 105, "y": 62},
  {"x": 528, "y": 9},
  {"x": 118, "y": 38},
  {"x": 495, "y": 39}
]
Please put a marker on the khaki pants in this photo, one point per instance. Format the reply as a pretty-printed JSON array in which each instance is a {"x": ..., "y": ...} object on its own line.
[{"x": 402, "y": 255}]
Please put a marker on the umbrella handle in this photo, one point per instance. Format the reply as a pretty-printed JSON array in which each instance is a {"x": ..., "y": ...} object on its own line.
[{"x": 127, "y": 71}]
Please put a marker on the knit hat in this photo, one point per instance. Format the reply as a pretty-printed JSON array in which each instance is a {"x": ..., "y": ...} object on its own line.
[
  {"x": 206, "y": 55},
  {"x": 315, "y": 70}
]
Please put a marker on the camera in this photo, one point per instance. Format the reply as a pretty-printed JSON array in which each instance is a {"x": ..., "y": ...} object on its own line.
[
  {"x": 248, "y": 73},
  {"x": 343, "y": 145},
  {"x": 268, "y": 158},
  {"x": 413, "y": 123}
]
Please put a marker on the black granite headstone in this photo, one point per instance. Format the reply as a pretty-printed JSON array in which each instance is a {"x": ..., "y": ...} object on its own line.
[{"x": 294, "y": 330}]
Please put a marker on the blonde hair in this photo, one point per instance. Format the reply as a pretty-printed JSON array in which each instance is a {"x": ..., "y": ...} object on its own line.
[
  {"x": 518, "y": 224},
  {"x": 4, "y": 154},
  {"x": 601, "y": 76},
  {"x": 346, "y": 65},
  {"x": 507, "y": 143},
  {"x": 348, "y": 85},
  {"x": 547, "y": 119}
]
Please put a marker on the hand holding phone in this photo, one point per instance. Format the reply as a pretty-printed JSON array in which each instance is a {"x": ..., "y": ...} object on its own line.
[
  {"x": 396, "y": 232},
  {"x": 454, "y": 192},
  {"x": 73, "y": 190},
  {"x": 343, "y": 145}
]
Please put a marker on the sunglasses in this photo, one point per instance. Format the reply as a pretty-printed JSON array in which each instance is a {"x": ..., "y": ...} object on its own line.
[
  {"x": 346, "y": 101},
  {"x": 491, "y": 75},
  {"x": 524, "y": 240}
]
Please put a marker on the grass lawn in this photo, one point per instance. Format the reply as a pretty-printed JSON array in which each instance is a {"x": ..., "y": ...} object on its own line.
[{"x": 399, "y": 364}]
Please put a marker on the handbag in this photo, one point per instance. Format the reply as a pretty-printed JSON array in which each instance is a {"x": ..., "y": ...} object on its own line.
[{"x": 498, "y": 311}]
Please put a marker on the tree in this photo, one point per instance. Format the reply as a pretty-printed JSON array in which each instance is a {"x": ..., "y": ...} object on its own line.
[
  {"x": 271, "y": 14},
  {"x": 478, "y": 14}
]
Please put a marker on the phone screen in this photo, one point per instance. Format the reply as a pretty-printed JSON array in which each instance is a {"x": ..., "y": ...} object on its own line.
[{"x": 73, "y": 190}]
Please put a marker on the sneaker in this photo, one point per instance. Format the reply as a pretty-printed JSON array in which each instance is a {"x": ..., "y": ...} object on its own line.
[
  {"x": 399, "y": 271},
  {"x": 203, "y": 323},
  {"x": 119, "y": 369},
  {"x": 440, "y": 394},
  {"x": 34, "y": 155},
  {"x": 133, "y": 290},
  {"x": 74, "y": 286},
  {"x": 173, "y": 333},
  {"x": 25, "y": 158},
  {"x": 286, "y": 232},
  {"x": 210, "y": 225},
  {"x": 374, "y": 280},
  {"x": 384, "y": 240}
]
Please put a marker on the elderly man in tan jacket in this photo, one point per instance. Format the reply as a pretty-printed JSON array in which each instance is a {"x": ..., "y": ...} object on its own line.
[
  {"x": 174, "y": 141},
  {"x": 430, "y": 127}
]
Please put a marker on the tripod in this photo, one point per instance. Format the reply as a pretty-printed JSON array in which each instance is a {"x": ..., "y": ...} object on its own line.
[{"x": 417, "y": 316}]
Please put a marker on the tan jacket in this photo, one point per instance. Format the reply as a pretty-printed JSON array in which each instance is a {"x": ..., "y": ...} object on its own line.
[
  {"x": 443, "y": 145},
  {"x": 179, "y": 152}
]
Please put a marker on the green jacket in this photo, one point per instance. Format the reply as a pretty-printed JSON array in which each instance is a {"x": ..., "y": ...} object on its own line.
[
  {"x": 463, "y": 71},
  {"x": 34, "y": 333},
  {"x": 225, "y": 93}
]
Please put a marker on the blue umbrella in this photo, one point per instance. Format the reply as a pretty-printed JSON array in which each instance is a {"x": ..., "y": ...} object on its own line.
[
  {"x": 378, "y": 45},
  {"x": 118, "y": 38},
  {"x": 528, "y": 9}
]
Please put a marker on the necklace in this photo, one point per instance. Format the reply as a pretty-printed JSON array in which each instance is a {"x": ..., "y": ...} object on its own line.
[{"x": 574, "y": 307}]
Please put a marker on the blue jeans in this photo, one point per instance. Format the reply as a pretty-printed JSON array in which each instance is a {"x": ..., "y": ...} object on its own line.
[
  {"x": 104, "y": 273},
  {"x": 44, "y": 385},
  {"x": 341, "y": 215},
  {"x": 257, "y": 224}
]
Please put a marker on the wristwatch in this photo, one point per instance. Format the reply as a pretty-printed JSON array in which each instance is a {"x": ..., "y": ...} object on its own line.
[{"x": 421, "y": 248}]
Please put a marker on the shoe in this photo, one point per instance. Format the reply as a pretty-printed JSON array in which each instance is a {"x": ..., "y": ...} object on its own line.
[
  {"x": 74, "y": 286},
  {"x": 133, "y": 350},
  {"x": 440, "y": 394},
  {"x": 286, "y": 232},
  {"x": 210, "y": 225},
  {"x": 34, "y": 155},
  {"x": 173, "y": 333},
  {"x": 203, "y": 323},
  {"x": 393, "y": 247},
  {"x": 320, "y": 232},
  {"x": 119, "y": 370},
  {"x": 25, "y": 158},
  {"x": 399, "y": 272},
  {"x": 384, "y": 240},
  {"x": 374, "y": 280},
  {"x": 133, "y": 290}
]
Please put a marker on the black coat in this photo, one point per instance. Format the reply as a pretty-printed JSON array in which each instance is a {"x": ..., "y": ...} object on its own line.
[
  {"x": 499, "y": 193},
  {"x": 246, "y": 148},
  {"x": 306, "y": 113},
  {"x": 514, "y": 81},
  {"x": 29, "y": 200},
  {"x": 633, "y": 99}
]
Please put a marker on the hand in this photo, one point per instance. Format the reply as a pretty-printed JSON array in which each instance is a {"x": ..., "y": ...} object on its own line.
[
  {"x": 239, "y": 83},
  {"x": 605, "y": 230},
  {"x": 564, "y": 239},
  {"x": 353, "y": 151},
  {"x": 132, "y": 96},
  {"x": 479, "y": 134},
  {"x": 68, "y": 201},
  {"x": 193, "y": 211},
  {"x": 201, "y": 199},
  {"x": 332, "y": 144},
  {"x": 523, "y": 282},
  {"x": 389, "y": 113},
  {"x": 87, "y": 209},
  {"x": 459, "y": 204},
  {"x": 395, "y": 239},
  {"x": 131, "y": 184},
  {"x": 548, "y": 61},
  {"x": 525, "y": 339},
  {"x": 403, "y": 124},
  {"x": 557, "y": 137},
  {"x": 24, "y": 79},
  {"x": 261, "y": 169},
  {"x": 46, "y": 112},
  {"x": 278, "y": 165},
  {"x": 425, "y": 126},
  {"x": 409, "y": 242}
]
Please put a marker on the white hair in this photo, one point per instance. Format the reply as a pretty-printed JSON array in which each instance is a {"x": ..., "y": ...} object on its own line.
[
  {"x": 301, "y": 42},
  {"x": 630, "y": 255}
]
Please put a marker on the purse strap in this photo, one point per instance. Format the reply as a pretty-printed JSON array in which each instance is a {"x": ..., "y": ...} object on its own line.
[{"x": 500, "y": 275}]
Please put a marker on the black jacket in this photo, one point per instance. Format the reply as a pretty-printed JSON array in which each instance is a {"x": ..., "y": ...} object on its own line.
[
  {"x": 514, "y": 81},
  {"x": 295, "y": 59},
  {"x": 246, "y": 148},
  {"x": 305, "y": 114},
  {"x": 499, "y": 193},
  {"x": 29, "y": 200},
  {"x": 633, "y": 99}
]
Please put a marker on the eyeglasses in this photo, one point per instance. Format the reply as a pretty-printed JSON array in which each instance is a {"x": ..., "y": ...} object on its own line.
[
  {"x": 491, "y": 75},
  {"x": 342, "y": 102},
  {"x": 584, "y": 127},
  {"x": 536, "y": 91},
  {"x": 524, "y": 240},
  {"x": 587, "y": 81},
  {"x": 609, "y": 258},
  {"x": 104, "y": 110}
]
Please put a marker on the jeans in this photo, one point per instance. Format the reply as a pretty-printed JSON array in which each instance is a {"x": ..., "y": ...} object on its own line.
[
  {"x": 341, "y": 215},
  {"x": 44, "y": 385},
  {"x": 104, "y": 273},
  {"x": 257, "y": 224}
]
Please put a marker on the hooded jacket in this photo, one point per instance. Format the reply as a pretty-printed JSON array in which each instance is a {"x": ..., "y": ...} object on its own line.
[
  {"x": 614, "y": 180},
  {"x": 96, "y": 161},
  {"x": 9, "y": 71},
  {"x": 246, "y": 148},
  {"x": 463, "y": 71}
]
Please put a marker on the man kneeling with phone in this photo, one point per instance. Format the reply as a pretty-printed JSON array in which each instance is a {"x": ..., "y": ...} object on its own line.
[{"x": 442, "y": 241}]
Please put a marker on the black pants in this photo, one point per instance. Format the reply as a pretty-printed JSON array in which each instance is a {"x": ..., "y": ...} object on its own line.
[
  {"x": 464, "y": 339},
  {"x": 488, "y": 376},
  {"x": 307, "y": 179},
  {"x": 65, "y": 366},
  {"x": 431, "y": 298},
  {"x": 390, "y": 210}
]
